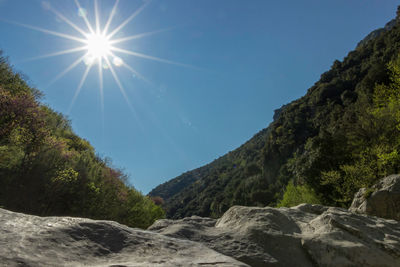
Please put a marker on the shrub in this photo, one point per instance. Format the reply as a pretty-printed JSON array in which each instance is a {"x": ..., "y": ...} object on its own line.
[{"x": 297, "y": 194}]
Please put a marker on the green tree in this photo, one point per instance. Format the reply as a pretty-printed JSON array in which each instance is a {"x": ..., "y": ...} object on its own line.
[{"x": 374, "y": 142}]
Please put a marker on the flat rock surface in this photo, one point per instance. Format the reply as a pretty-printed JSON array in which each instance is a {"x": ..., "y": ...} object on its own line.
[
  {"x": 27, "y": 240},
  {"x": 306, "y": 235}
]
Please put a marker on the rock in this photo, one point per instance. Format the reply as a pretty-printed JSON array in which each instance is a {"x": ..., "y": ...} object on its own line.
[
  {"x": 306, "y": 235},
  {"x": 383, "y": 201},
  {"x": 27, "y": 240}
]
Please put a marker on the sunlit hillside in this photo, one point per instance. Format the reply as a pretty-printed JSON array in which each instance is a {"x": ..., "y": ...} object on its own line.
[{"x": 46, "y": 169}]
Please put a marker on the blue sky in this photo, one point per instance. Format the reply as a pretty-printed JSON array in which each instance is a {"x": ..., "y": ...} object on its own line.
[{"x": 246, "y": 57}]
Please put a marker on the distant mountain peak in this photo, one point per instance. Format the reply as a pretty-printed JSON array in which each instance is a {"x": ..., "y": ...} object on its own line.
[{"x": 374, "y": 34}]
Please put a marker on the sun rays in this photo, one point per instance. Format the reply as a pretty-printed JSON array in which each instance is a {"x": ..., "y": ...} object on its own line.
[{"x": 98, "y": 47}]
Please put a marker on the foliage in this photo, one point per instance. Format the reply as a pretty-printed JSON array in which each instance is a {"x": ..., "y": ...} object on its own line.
[
  {"x": 378, "y": 155},
  {"x": 46, "y": 169},
  {"x": 297, "y": 194}
]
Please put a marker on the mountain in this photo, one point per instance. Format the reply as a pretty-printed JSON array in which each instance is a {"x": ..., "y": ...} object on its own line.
[
  {"x": 376, "y": 33},
  {"x": 46, "y": 169},
  {"x": 335, "y": 139}
]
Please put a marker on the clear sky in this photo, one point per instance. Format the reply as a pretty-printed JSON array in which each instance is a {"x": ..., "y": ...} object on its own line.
[{"x": 241, "y": 60}]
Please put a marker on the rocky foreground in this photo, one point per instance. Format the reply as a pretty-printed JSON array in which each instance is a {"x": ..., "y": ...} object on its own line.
[
  {"x": 306, "y": 235},
  {"x": 63, "y": 241}
]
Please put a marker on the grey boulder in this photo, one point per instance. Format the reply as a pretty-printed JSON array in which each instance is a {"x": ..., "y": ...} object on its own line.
[{"x": 382, "y": 200}]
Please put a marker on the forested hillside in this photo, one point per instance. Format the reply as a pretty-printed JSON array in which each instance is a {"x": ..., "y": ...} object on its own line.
[
  {"x": 343, "y": 134},
  {"x": 46, "y": 169}
]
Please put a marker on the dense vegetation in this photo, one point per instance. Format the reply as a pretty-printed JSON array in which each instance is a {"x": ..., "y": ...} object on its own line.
[
  {"x": 46, "y": 169},
  {"x": 342, "y": 135}
]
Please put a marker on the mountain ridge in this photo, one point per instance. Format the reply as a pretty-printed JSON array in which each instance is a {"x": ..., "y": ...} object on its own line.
[{"x": 295, "y": 145}]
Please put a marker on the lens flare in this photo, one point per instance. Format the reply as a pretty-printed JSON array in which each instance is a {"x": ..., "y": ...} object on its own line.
[
  {"x": 117, "y": 61},
  {"x": 82, "y": 12}
]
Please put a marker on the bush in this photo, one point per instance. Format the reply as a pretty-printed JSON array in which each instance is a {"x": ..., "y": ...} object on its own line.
[{"x": 295, "y": 195}]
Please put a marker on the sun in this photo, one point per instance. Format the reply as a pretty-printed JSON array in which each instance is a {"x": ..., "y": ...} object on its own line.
[{"x": 98, "y": 46}]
